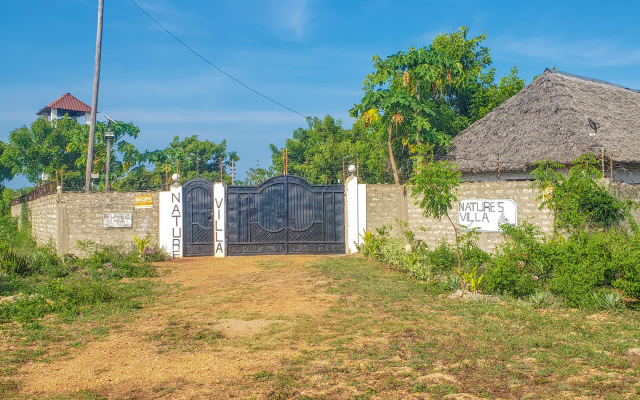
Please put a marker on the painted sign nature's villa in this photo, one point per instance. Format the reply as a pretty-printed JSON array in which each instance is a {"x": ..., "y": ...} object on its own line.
[{"x": 487, "y": 214}]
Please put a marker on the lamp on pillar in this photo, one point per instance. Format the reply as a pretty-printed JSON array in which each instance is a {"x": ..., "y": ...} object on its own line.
[{"x": 109, "y": 135}]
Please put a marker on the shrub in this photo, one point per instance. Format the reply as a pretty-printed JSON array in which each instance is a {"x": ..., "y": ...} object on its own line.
[
  {"x": 12, "y": 263},
  {"x": 46, "y": 262},
  {"x": 154, "y": 254},
  {"x": 507, "y": 275},
  {"x": 111, "y": 262},
  {"x": 517, "y": 267},
  {"x": 539, "y": 299},
  {"x": 443, "y": 257},
  {"x": 626, "y": 257},
  {"x": 578, "y": 202},
  {"x": 372, "y": 242},
  {"x": 583, "y": 265}
]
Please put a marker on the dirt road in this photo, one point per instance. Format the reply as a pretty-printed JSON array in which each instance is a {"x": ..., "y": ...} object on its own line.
[{"x": 196, "y": 342}]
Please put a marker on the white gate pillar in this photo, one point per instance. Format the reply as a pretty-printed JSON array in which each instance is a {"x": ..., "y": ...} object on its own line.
[
  {"x": 219, "y": 220},
  {"x": 170, "y": 235},
  {"x": 356, "y": 198}
]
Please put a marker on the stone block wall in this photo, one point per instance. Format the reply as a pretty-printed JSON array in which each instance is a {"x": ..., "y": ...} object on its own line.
[
  {"x": 42, "y": 214},
  {"x": 625, "y": 191},
  {"x": 83, "y": 218},
  {"x": 387, "y": 204},
  {"x": 69, "y": 218}
]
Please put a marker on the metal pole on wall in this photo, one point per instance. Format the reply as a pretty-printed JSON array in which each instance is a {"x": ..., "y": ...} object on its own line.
[
  {"x": 94, "y": 101},
  {"x": 106, "y": 182},
  {"x": 611, "y": 165}
]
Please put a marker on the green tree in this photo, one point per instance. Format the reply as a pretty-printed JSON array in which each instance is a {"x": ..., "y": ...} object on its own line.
[
  {"x": 317, "y": 152},
  {"x": 5, "y": 171},
  {"x": 434, "y": 185},
  {"x": 257, "y": 176},
  {"x": 60, "y": 145},
  {"x": 578, "y": 201},
  {"x": 191, "y": 157},
  {"x": 428, "y": 95}
]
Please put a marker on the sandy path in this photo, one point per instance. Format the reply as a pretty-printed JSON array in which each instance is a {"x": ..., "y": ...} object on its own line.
[{"x": 159, "y": 355}]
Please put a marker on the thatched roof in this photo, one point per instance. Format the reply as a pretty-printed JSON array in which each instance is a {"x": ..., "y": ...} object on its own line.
[{"x": 558, "y": 116}]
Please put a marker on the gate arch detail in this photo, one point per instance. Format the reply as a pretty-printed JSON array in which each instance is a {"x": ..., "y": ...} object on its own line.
[
  {"x": 285, "y": 215},
  {"x": 198, "y": 218}
]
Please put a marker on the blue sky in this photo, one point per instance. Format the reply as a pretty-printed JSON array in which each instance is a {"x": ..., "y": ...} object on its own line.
[{"x": 311, "y": 56}]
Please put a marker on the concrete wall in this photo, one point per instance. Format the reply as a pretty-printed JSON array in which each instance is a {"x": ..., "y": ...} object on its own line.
[
  {"x": 627, "y": 192},
  {"x": 41, "y": 213},
  {"x": 387, "y": 204},
  {"x": 67, "y": 218}
]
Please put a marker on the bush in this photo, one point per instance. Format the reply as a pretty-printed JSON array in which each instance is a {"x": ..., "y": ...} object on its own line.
[
  {"x": 518, "y": 268},
  {"x": 403, "y": 253},
  {"x": 584, "y": 265},
  {"x": 13, "y": 263},
  {"x": 443, "y": 257},
  {"x": 111, "y": 262},
  {"x": 45, "y": 261},
  {"x": 626, "y": 257},
  {"x": 507, "y": 275},
  {"x": 154, "y": 254}
]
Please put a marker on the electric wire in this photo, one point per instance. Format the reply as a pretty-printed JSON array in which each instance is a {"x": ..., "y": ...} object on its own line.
[{"x": 213, "y": 65}]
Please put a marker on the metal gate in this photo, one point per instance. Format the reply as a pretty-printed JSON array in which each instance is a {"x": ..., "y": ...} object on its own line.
[
  {"x": 285, "y": 215},
  {"x": 198, "y": 218}
]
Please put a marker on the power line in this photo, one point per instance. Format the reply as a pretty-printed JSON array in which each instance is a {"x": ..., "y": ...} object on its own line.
[{"x": 212, "y": 64}]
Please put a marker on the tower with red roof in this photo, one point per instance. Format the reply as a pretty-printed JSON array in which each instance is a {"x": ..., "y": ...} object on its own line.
[{"x": 66, "y": 104}]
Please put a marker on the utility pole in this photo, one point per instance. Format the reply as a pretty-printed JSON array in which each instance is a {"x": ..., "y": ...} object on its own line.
[{"x": 94, "y": 101}]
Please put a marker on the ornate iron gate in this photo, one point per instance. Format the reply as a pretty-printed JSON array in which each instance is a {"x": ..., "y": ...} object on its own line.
[
  {"x": 198, "y": 218},
  {"x": 285, "y": 215}
]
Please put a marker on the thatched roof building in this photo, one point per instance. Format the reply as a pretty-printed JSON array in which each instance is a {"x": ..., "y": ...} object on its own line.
[{"x": 559, "y": 116}]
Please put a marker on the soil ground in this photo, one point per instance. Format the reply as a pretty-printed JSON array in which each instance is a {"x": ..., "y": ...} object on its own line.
[
  {"x": 160, "y": 354},
  {"x": 277, "y": 328}
]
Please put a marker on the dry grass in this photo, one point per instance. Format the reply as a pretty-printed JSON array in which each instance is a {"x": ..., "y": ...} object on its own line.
[{"x": 337, "y": 328}]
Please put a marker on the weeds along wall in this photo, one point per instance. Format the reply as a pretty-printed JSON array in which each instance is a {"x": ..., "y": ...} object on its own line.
[
  {"x": 388, "y": 204},
  {"x": 625, "y": 191},
  {"x": 66, "y": 220},
  {"x": 42, "y": 214}
]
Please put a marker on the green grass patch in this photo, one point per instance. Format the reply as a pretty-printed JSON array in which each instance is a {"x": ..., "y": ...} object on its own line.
[{"x": 386, "y": 329}]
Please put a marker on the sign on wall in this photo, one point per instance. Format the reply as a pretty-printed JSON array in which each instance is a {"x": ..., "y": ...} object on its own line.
[
  {"x": 118, "y": 220},
  {"x": 487, "y": 214},
  {"x": 145, "y": 201}
]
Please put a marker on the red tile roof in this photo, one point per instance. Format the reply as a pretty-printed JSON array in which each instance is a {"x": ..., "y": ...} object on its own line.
[{"x": 66, "y": 102}]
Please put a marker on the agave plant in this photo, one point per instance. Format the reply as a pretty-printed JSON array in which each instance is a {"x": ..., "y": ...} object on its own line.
[
  {"x": 610, "y": 302},
  {"x": 539, "y": 299},
  {"x": 13, "y": 263}
]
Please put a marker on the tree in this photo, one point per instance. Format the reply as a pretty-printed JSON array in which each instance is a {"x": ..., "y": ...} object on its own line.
[
  {"x": 577, "y": 201},
  {"x": 59, "y": 146},
  {"x": 428, "y": 95},
  {"x": 257, "y": 176},
  {"x": 434, "y": 185},
  {"x": 5, "y": 170},
  {"x": 317, "y": 152},
  {"x": 191, "y": 157}
]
